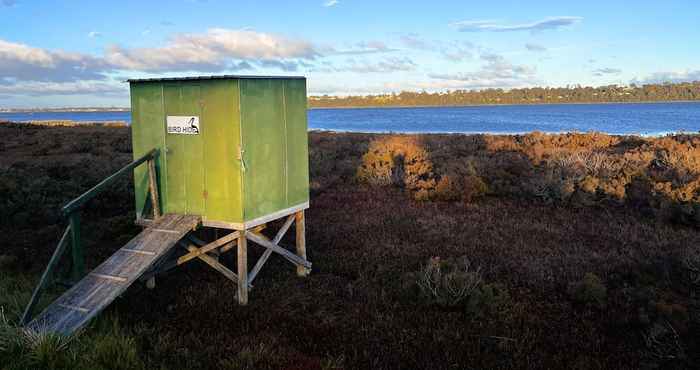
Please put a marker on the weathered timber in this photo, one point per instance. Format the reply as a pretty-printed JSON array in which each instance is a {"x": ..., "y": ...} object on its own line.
[
  {"x": 216, "y": 265},
  {"x": 209, "y": 247},
  {"x": 242, "y": 268},
  {"x": 268, "y": 252},
  {"x": 262, "y": 240},
  {"x": 301, "y": 241},
  {"x": 111, "y": 278}
]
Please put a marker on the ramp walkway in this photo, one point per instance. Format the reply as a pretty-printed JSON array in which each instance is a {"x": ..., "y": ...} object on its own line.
[{"x": 104, "y": 284}]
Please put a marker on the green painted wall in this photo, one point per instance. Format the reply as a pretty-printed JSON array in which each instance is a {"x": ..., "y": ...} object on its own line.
[{"x": 202, "y": 174}]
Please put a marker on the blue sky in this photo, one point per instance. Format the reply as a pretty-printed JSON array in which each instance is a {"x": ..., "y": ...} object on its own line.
[{"x": 76, "y": 53}]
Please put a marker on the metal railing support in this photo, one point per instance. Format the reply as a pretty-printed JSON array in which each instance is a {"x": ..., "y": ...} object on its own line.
[
  {"x": 72, "y": 211},
  {"x": 46, "y": 276},
  {"x": 77, "y": 255}
]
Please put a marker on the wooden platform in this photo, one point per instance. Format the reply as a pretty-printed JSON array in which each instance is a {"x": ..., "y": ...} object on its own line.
[{"x": 99, "y": 288}]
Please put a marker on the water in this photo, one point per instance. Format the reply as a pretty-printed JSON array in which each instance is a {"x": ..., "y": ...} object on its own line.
[{"x": 644, "y": 119}]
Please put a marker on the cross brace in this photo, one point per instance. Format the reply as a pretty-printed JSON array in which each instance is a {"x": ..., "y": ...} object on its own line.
[{"x": 197, "y": 249}]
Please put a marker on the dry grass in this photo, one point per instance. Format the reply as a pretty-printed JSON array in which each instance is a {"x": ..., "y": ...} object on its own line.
[{"x": 551, "y": 210}]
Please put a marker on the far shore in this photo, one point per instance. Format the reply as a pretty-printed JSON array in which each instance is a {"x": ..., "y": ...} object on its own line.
[
  {"x": 506, "y": 105},
  {"x": 112, "y": 109}
]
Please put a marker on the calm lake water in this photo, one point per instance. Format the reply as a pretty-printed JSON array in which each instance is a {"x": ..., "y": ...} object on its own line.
[{"x": 644, "y": 119}]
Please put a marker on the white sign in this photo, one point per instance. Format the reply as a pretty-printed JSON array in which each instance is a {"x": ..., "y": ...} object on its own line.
[{"x": 187, "y": 125}]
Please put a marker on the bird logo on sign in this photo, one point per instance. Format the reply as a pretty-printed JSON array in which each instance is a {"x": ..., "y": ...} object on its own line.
[{"x": 195, "y": 128}]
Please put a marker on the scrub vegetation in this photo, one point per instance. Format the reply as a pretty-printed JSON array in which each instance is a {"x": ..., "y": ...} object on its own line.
[
  {"x": 429, "y": 252},
  {"x": 683, "y": 91}
]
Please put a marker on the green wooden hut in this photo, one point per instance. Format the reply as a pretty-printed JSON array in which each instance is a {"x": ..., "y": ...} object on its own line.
[
  {"x": 220, "y": 152},
  {"x": 233, "y": 149}
]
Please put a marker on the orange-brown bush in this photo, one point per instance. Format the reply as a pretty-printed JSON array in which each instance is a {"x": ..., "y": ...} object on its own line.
[
  {"x": 402, "y": 161},
  {"x": 580, "y": 169}
]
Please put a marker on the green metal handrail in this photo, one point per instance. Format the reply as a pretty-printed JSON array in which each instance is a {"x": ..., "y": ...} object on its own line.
[
  {"x": 78, "y": 202},
  {"x": 72, "y": 211}
]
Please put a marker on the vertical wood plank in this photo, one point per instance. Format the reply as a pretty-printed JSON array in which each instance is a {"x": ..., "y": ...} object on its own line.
[
  {"x": 301, "y": 241},
  {"x": 153, "y": 188},
  {"x": 242, "y": 269}
]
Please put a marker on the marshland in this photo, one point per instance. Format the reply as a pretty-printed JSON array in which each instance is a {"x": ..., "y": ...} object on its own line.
[{"x": 429, "y": 251}]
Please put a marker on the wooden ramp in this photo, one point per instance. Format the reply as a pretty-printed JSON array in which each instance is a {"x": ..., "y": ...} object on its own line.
[{"x": 100, "y": 287}]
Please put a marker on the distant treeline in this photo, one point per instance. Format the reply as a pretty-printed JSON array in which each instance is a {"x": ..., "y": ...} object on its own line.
[{"x": 533, "y": 95}]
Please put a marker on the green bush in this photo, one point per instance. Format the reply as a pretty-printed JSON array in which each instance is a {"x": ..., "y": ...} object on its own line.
[
  {"x": 474, "y": 187},
  {"x": 589, "y": 291},
  {"x": 450, "y": 285}
]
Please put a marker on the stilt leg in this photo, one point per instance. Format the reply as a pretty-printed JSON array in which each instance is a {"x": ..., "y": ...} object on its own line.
[
  {"x": 301, "y": 241},
  {"x": 242, "y": 269}
]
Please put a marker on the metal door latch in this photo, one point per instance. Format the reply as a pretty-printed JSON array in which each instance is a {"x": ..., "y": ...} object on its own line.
[{"x": 240, "y": 157}]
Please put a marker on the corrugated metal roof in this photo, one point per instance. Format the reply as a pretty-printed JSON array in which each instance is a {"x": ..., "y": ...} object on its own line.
[{"x": 220, "y": 77}]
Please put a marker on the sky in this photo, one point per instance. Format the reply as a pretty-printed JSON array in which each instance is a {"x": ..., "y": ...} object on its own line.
[{"x": 78, "y": 53}]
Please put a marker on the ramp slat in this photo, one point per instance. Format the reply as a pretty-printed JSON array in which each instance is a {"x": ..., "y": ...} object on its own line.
[{"x": 97, "y": 290}]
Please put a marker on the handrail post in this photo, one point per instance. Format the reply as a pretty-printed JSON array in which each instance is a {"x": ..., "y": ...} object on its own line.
[{"x": 77, "y": 254}]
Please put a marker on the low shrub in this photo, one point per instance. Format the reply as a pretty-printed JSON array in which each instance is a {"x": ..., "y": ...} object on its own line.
[
  {"x": 474, "y": 187},
  {"x": 664, "y": 347},
  {"x": 589, "y": 291},
  {"x": 402, "y": 161},
  {"x": 451, "y": 285},
  {"x": 7, "y": 262},
  {"x": 253, "y": 357}
]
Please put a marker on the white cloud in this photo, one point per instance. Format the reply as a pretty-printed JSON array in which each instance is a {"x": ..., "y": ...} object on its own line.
[
  {"x": 535, "y": 47},
  {"x": 25, "y": 63},
  {"x": 35, "y": 88},
  {"x": 415, "y": 41},
  {"x": 214, "y": 50},
  {"x": 673, "y": 77},
  {"x": 330, "y": 3},
  {"x": 94, "y": 34},
  {"x": 497, "y": 72},
  {"x": 386, "y": 65},
  {"x": 606, "y": 71},
  {"x": 363, "y": 47},
  {"x": 457, "y": 51},
  {"x": 454, "y": 51},
  {"x": 497, "y": 26}
]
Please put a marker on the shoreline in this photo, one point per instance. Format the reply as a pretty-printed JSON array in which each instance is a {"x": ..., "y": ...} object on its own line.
[
  {"x": 123, "y": 110},
  {"x": 506, "y": 105},
  {"x": 69, "y": 123}
]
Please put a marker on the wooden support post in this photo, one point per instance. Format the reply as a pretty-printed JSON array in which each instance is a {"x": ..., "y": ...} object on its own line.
[
  {"x": 78, "y": 257},
  {"x": 153, "y": 188},
  {"x": 242, "y": 269},
  {"x": 301, "y": 242}
]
